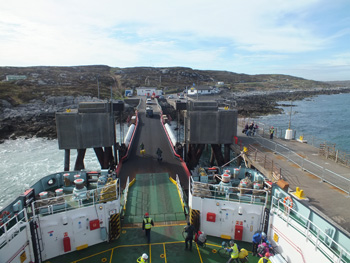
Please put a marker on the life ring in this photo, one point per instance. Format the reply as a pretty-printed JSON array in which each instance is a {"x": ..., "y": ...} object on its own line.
[
  {"x": 290, "y": 202},
  {"x": 4, "y": 217}
]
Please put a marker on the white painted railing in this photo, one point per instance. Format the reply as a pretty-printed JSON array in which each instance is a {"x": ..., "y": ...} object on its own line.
[
  {"x": 233, "y": 194},
  {"x": 69, "y": 202},
  {"x": 320, "y": 239}
]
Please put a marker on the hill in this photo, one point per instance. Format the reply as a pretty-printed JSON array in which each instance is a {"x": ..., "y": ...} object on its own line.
[
  {"x": 29, "y": 101},
  {"x": 43, "y": 82}
]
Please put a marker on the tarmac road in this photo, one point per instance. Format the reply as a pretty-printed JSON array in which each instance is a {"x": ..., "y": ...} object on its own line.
[{"x": 151, "y": 133}]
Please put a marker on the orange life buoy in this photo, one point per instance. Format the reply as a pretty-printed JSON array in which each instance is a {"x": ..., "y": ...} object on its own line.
[
  {"x": 290, "y": 202},
  {"x": 4, "y": 217}
]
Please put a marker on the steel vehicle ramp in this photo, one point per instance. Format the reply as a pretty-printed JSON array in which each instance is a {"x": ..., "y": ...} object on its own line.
[{"x": 155, "y": 194}]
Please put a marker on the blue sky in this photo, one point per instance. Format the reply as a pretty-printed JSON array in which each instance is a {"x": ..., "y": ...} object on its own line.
[{"x": 304, "y": 38}]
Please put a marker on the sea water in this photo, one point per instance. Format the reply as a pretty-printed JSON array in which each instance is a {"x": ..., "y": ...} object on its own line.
[
  {"x": 24, "y": 161},
  {"x": 326, "y": 117}
]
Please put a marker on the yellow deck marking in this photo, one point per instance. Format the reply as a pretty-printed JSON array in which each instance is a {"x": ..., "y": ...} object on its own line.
[
  {"x": 164, "y": 253},
  {"x": 136, "y": 245},
  {"x": 110, "y": 260},
  {"x": 199, "y": 253},
  {"x": 150, "y": 253}
]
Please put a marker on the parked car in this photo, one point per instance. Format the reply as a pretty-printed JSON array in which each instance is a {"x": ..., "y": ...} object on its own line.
[
  {"x": 148, "y": 101},
  {"x": 170, "y": 97},
  {"x": 149, "y": 112}
]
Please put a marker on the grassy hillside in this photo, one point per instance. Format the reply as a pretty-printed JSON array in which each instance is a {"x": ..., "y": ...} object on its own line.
[{"x": 84, "y": 80}]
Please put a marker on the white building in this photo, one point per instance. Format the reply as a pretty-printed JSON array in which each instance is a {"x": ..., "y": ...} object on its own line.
[
  {"x": 202, "y": 90},
  {"x": 148, "y": 91},
  {"x": 15, "y": 77}
]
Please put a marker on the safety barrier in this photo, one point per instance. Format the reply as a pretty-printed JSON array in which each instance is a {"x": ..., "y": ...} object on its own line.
[
  {"x": 126, "y": 191},
  {"x": 325, "y": 175},
  {"x": 235, "y": 194},
  {"x": 310, "y": 230},
  {"x": 69, "y": 202},
  {"x": 266, "y": 162},
  {"x": 12, "y": 226},
  {"x": 325, "y": 148}
]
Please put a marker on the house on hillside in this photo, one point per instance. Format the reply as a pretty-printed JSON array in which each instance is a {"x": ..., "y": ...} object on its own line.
[
  {"x": 202, "y": 90},
  {"x": 15, "y": 77}
]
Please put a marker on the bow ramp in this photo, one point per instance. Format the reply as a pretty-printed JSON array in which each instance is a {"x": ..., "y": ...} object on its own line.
[{"x": 156, "y": 194}]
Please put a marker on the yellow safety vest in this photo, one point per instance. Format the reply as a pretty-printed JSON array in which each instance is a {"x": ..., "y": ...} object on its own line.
[
  {"x": 234, "y": 253},
  {"x": 266, "y": 260},
  {"x": 140, "y": 260},
  {"x": 147, "y": 223}
]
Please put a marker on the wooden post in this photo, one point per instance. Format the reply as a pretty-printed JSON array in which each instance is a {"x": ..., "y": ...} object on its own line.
[
  {"x": 255, "y": 154},
  {"x": 272, "y": 166}
]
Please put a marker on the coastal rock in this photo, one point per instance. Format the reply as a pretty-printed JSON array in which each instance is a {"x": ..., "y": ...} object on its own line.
[{"x": 37, "y": 118}]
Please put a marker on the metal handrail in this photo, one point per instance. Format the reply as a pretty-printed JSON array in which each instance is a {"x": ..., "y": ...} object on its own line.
[
  {"x": 62, "y": 203},
  {"x": 311, "y": 231},
  {"x": 233, "y": 194},
  {"x": 338, "y": 155},
  {"x": 324, "y": 174}
]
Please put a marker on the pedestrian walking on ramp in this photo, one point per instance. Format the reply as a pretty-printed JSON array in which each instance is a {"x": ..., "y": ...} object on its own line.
[{"x": 147, "y": 225}]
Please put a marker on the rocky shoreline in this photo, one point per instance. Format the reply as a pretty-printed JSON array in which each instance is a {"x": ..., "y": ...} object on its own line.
[{"x": 37, "y": 118}]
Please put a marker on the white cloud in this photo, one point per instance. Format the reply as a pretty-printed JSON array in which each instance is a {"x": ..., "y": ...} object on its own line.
[{"x": 201, "y": 34}]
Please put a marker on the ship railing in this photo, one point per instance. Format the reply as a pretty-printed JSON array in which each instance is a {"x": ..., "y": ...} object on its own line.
[
  {"x": 181, "y": 193},
  {"x": 275, "y": 172},
  {"x": 322, "y": 240},
  {"x": 68, "y": 202},
  {"x": 232, "y": 194},
  {"x": 325, "y": 175},
  {"x": 126, "y": 191},
  {"x": 325, "y": 148},
  {"x": 12, "y": 227}
]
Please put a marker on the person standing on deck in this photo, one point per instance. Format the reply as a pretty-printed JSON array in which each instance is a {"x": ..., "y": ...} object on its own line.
[
  {"x": 143, "y": 258},
  {"x": 258, "y": 238},
  {"x": 265, "y": 259},
  {"x": 159, "y": 154},
  {"x": 147, "y": 224},
  {"x": 272, "y": 130},
  {"x": 234, "y": 249},
  {"x": 142, "y": 149},
  {"x": 189, "y": 229}
]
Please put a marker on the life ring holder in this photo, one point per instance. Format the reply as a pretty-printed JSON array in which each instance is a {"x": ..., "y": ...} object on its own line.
[
  {"x": 291, "y": 204},
  {"x": 4, "y": 217}
]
